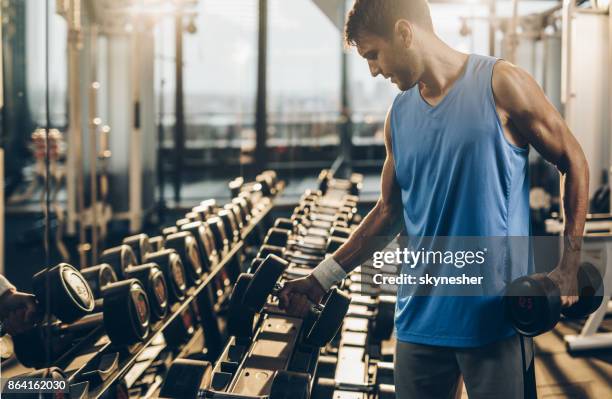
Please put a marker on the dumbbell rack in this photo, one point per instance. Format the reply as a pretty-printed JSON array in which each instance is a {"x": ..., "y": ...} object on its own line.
[{"x": 125, "y": 364}]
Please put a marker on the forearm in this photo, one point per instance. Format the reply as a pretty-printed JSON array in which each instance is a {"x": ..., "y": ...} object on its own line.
[
  {"x": 575, "y": 203},
  {"x": 379, "y": 227}
]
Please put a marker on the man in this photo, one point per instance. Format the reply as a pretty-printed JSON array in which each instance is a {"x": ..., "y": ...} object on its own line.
[
  {"x": 17, "y": 309},
  {"x": 457, "y": 140}
]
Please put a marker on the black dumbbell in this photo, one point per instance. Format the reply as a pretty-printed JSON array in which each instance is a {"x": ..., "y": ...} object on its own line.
[
  {"x": 186, "y": 378},
  {"x": 68, "y": 297},
  {"x": 125, "y": 317},
  {"x": 533, "y": 303},
  {"x": 322, "y": 322},
  {"x": 240, "y": 318},
  {"x": 243, "y": 208},
  {"x": 185, "y": 244},
  {"x": 206, "y": 244},
  {"x": 230, "y": 224},
  {"x": 290, "y": 385},
  {"x": 173, "y": 270},
  {"x": 166, "y": 231},
  {"x": 119, "y": 258},
  {"x": 140, "y": 245},
  {"x": 215, "y": 224},
  {"x": 235, "y": 209},
  {"x": 152, "y": 279},
  {"x": 98, "y": 277},
  {"x": 149, "y": 275},
  {"x": 157, "y": 243},
  {"x": 379, "y": 310},
  {"x": 235, "y": 186}
]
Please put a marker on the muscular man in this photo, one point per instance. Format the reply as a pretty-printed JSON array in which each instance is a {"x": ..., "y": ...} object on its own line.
[
  {"x": 17, "y": 309},
  {"x": 457, "y": 140}
]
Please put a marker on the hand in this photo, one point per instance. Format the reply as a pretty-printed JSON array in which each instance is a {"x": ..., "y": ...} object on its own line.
[
  {"x": 567, "y": 280},
  {"x": 297, "y": 296},
  {"x": 18, "y": 311}
]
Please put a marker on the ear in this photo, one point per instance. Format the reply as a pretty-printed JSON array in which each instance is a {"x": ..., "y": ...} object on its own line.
[{"x": 403, "y": 31}]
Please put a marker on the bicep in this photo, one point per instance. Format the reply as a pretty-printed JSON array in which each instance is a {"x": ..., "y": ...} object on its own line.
[{"x": 390, "y": 191}]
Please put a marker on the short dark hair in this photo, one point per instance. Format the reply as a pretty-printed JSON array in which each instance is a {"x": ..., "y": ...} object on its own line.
[{"x": 379, "y": 17}]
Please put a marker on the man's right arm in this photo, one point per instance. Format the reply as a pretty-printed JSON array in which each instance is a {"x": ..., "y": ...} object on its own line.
[
  {"x": 382, "y": 223},
  {"x": 379, "y": 227}
]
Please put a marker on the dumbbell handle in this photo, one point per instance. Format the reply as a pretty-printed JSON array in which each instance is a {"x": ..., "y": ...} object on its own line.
[
  {"x": 349, "y": 386},
  {"x": 85, "y": 323}
]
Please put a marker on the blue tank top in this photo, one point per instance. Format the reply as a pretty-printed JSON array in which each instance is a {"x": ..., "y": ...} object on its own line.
[{"x": 459, "y": 176}]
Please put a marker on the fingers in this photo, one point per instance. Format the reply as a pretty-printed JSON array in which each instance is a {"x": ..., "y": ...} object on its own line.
[
  {"x": 567, "y": 301},
  {"x": 299, "y": 305},
  {"x": 284, "y": 297}
]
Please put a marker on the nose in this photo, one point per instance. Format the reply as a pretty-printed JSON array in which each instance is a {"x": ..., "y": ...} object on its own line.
[{"x": 374, "y": 69}]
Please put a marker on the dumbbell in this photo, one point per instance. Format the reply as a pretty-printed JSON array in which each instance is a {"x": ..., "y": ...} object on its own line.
[
  {"x": 244, "y": 209},
  {"x": 140, "y": 245},
  {"x": 315, "y": 245},
  {"x": 533, "y": 303},
  {"x": 149, "y": 275},
  {"x": 69, "y": 296},
  {"x": 235, "y": 185},
  {"x": 98, "y": 277},
  {"x": 206, "y": 243},
  {"x": 239, "y": 317},
  {"x": 186, "y": 246},
  {"x": 154, "y": 282},
  {"x": 293, "y": 256},
  {"x": 119, "y": 258},
  {"x": 322, "y": 322},
  {"x": 235, "y": 209},
  {"x": 125, "y": 317},
  {"x": 157, "y": 243},
  {"x": 379, "y": 310},
  {"x": 172, "y": 268},
  {"x": 232, "y": 229},
  {"x": 186, "y": 378}
]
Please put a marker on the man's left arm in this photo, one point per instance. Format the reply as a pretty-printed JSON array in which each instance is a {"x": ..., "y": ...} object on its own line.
[{"x": 526, "y": 112}]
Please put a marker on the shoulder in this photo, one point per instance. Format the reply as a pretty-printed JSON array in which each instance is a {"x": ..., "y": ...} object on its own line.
[{"x": 512, "y": 85}]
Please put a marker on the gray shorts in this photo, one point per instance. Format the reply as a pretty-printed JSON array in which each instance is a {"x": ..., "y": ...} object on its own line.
[{"x": 491, "y": 371}]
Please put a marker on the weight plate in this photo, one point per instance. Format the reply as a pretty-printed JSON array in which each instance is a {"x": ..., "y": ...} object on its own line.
[
  {"x": 290, "y": 385},
  {"x": 264, "y": 280},
  {"x": 277, "y": 237},
  {"x": 185, "y": 378},
  {"x": 384, "y": 321},
  {"x": 326, "y": 326},
  {"x": 239, "y": 318},
  {"x": 70, "y": 297},
  {"x": 533, "y": 304}
]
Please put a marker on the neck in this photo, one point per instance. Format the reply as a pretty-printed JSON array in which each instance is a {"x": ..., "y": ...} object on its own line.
[{"x": 442, "y": 67}]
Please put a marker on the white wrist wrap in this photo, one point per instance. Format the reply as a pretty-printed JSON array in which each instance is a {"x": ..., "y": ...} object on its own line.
[
  {"x": 328, "y": 273},
  {"x": 5, "y": 285}
]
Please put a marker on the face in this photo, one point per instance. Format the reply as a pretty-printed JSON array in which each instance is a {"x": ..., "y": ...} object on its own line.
[{"x": 390, "y": 58}]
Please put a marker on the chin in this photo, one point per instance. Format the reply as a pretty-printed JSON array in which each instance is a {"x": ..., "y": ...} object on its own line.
[{"x": 405, "y": 86}]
